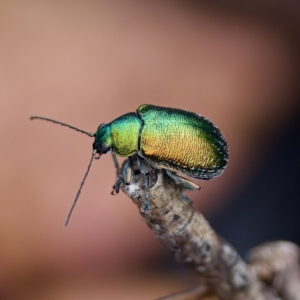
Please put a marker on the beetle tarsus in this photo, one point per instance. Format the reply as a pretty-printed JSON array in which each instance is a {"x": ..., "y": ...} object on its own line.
[
  {"x": 119, "y": 179},
  {"x": 117, "y": 185}
]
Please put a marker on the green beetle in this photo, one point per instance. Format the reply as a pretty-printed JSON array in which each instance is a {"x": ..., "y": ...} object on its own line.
[{"x": 163, "y": 138}]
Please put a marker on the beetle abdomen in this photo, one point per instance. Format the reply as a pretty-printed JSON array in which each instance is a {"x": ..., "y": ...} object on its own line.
[{"x": 182, "y": 141}]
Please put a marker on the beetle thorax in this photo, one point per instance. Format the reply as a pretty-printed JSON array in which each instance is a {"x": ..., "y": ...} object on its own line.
[{"x": 125, "y": 134}]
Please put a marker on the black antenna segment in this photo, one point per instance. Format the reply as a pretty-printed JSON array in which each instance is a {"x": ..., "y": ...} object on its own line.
[{"x": 63, "y": 124}]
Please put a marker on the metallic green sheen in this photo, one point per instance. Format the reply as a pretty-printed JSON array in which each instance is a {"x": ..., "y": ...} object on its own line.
[
  {"x": 167, "y": 138},
  {"x": 182, "y": 141},
  {"x": 124, "y": 133}
]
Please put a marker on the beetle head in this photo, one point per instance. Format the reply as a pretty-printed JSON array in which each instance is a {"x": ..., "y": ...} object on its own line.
[{"x": 103, "y": 141}]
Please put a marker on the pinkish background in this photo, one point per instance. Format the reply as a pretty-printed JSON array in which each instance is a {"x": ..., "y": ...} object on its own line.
[{"x": 88, "y": 62}]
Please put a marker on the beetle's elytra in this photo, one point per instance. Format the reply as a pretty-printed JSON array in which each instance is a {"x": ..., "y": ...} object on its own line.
[{"x": 163, "y": 138}]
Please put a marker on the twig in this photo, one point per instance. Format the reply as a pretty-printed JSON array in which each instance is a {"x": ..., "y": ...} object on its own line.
[
  {"x": 186, "y": 232},
  {"x": 277, "y": 264}
]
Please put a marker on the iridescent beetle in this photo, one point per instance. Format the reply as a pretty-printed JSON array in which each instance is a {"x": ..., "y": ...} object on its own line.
[{"x": 163, "y": 138}]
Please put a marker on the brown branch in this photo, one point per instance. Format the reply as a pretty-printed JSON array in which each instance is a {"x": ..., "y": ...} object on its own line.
[{"x": 186, "y": 232}]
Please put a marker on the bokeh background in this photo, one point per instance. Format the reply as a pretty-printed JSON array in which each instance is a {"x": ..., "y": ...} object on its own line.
[{"x": 88, "y": 62}]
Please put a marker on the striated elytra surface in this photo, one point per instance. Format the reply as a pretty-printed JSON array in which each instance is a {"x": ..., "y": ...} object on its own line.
[{"x": 182, "y": 141}]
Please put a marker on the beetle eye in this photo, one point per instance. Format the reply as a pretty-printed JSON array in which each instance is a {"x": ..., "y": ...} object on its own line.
[{"x": 104, "y": 148}]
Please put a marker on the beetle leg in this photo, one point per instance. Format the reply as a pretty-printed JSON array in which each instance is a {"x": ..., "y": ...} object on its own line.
[
  {"x": 145, "y": 208},
  {"x": 146, "y": 170},
  {"x": 124, "y": 178},
  {"x": 127, "y": 170},
  {"x": 116, "y": 163},
  {"x": 119, "y": 179},
  {"x": 117, "y": 185},
  {"x": 185, "y": 183}
]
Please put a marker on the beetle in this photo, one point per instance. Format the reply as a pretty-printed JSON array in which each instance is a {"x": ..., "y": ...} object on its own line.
[{"x": 176, "y": 140}]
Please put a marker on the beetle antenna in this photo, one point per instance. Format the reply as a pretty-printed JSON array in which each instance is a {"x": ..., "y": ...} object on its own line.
[
  {"x": 79, "y": 191},
  {"x": 63, "y": 124}
]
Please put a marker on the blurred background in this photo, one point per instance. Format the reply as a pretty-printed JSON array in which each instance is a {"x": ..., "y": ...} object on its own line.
[{"x": 88, "y": 62}]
